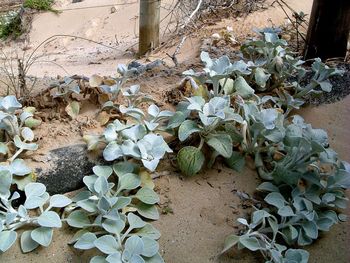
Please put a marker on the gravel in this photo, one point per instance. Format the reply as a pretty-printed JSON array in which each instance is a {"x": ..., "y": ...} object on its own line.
[{"x": 341, "y": 88}]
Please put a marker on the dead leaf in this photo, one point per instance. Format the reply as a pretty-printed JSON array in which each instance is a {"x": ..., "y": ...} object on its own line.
[
  {"x": 109, "y": 82},
  {"x": 146, "y": 180},
  {"x": 73, "y": 109},
  {"x": 95, "y": 81},
  {"x": 103, "y": 98},
  {"x": 103, "y": 118}
]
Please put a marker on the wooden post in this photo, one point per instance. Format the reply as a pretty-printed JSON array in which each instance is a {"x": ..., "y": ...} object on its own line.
[
  {"x": 329, "y": 29},
  {"x": 149, "y": 25}
]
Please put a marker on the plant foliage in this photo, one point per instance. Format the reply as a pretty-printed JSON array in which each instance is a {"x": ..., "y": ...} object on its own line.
[
  {"x": 239, "y": 110},
  {"x": 42, "y": 5},
  {"x": 110, "y": 215},
  {"x": 16, "y": 137},
  {"x": 10, "y": 24},
  {"x": 245, "y": 111}
]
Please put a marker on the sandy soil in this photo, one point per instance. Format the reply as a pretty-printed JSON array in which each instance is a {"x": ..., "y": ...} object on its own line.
[
  {"x": 201, "y": 210},
  {"x": 205, "y": 209},
  {"x": 118, "y": 32}
]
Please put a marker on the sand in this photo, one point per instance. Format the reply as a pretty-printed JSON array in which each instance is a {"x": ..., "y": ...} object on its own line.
[{"x": 204, "y": 208}]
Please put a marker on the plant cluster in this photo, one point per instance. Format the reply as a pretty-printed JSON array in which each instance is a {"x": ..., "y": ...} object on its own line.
[
  {"x": 239, "y": 109},
  {"x": 10, "y": 24},
  {"x": 64, "y": 90},
  {"x": 266, "y": 66},
  {"x": 111, "y": 212},
  {"x": 109, "y": 215},
  {"x": 213, "y": 124},
  {"x": 42, "y": 5},
  {"x": 138, "y": 135},
  {"x": 304, "y": 181},
  {"x": 16, "y": 137},
  {"x": 38, "y": 203}
]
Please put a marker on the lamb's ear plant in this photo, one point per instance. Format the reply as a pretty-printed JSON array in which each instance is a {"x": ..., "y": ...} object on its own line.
[
  {"x": 137, "y": 136},
  {"x": 304, "y": 181},
  {"x": 305, "y": 191},
  {"x": 111, "y": 215},
  {"x": 115, "y": 89},
  {"x": 119, "y": 198},
  {"x": 38, "y": 212},
  {"x": 64, "y": 90},
  {"x": 16, "y": 137},
  {"x": 210, "y": 125},
  {"x": 266, "y": 66}
]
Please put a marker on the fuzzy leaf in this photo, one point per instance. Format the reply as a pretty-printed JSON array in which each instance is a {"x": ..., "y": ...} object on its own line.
[
  {"x": 187, "y": 128},
  {"x": 27, "y": 243},
  {"x": 275, "y": 199},
  {"x": 242, "y": 88},
  {"x": 190, "y": 160},
  {"x": 222, "y": 143},
  {"x": 86, "y": 241},
  {"x": 59, "y": 201},
  {"x": 107, "y": 244},
  {"x": 148, "y": 211},
  {"x": 129, "y": 181},
  {"x": 150, "y": 248},
  {"x": 42, "y": 235},
  {"x": 49, "y": 219},
  {"x": 148, "y": 231},
  {"x": 78, "y": 219},
  {"x": 251, "y": 243},
  {"x": 230, "y": 242},
  {"x": 147, "y": 196},
  {"x": 135, "y": 221},
  {"x": 7, "y": 239}
]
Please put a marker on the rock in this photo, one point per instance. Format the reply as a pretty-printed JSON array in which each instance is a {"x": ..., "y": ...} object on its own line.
[
  {"x": 136, "y": 69},
  {"x": 76, "y": 1},
  {"x": 113, "y": 9},
  {"x": 134, "y": 64},
  {"x": 65, "y": 169}
]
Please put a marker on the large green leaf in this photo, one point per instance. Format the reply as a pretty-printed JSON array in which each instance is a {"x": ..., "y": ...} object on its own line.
[
  {"x": 86, "y": 241},
  {"x": 187, "y": 128},
  {"x": 236, "y": 161},
  {"x": 190, "y": 160},
  {"x": 7, "y": 239},
  {"x": 242, "y": 88},
  {"x": 222, "y": 143},
  {"x": 129, "y": 181},
  {"x": 27, "y": 243},
  {"x": 148, "y": 211},
  {"x": 78, "y": 219},
  {"x": 135, "y": 221},
  {"x": 113, "y": 226},
  {"x": 148, "y": 231},
  {"x": 261, "y": 77},
  {"x": 147, "y": 196},
  {"x": 150, "y": 248},
  {"x": 107, "y": 244},
  {"x": 49, "y": 219},
  {"x": 42, "y": 235},
  {"x": 230, "y": 242},
  {"x": 251, "y": 243}
]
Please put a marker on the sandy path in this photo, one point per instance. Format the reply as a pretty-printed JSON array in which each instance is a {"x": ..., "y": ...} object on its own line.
[{"x": 119, "y": 30}]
